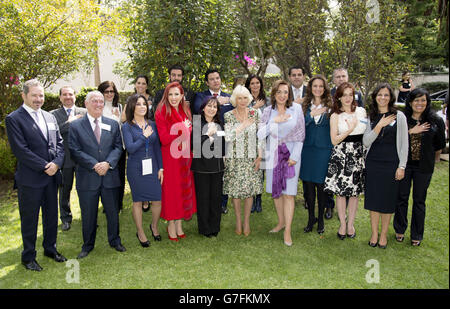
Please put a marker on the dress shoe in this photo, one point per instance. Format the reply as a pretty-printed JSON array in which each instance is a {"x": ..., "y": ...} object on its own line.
[
  {"x": 289, "y": 244},
  {"x": 351, "y": 235},
  {"x": 328, "y": 213},
  {"x": 373, "y": 245},
  {"x": 144, "y": 244},
  {"x": 172, "y": 239},
  {"x": 275, "y": 231},
  {"x": 399, "y": 238},
  {"x": 214, "y": 234},
  {"x": 320, "y": 231},
  {"x": 415, "y": 243},
  {"x": 310, "y": 225},
  {"x": 341, "y": 237},
  {"x": 119, "y": 248},
  {"x": 33, "y": 265},
  {"x": 224, "y": 209},
  {"x": 155, "y": 237},
  {"x": 65, "y": 226},
  {"x": 58, "y": 257},
  {"x": 82, "y": 254},
  {"x": 382, "y": 246},
  {"x": 181, "y": 236},
  {"x": 238, "y": 232}
]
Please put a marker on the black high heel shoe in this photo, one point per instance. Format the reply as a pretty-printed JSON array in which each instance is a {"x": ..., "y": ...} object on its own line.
[
  {"x": 341, "y": 237},
  {"x": 373, "y": 245},
  {"x": 309, "y": 227},
  {"x": 144, "y": 244},
  {"x": 157, "y": 237}
]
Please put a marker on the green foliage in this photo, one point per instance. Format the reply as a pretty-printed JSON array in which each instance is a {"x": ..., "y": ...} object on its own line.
[
  {"x": 365, "y": 40},
  {"x": 259, "y": 261},
  {"x": 197, "y": 34},
  {"x": 7, "y": 160},
  {"x": 420, "y": 36},
  {"x": 433, "y": 87}
]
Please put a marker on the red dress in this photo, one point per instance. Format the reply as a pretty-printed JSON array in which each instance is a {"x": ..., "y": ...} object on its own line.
[{"x": 178, "y": 199}]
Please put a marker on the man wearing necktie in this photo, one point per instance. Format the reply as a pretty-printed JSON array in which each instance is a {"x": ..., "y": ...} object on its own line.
[
  {"x": 36, "y": 142},
  {"x": 95, "y": 145},
  {"x": 296, "y": 79},
  {"x": 65, "y": 115}
]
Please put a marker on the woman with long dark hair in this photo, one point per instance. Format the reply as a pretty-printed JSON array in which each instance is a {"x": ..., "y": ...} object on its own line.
[
  {"x": 426, "y": 136},
  {"x": 142, "y": 143},
  {"x": 386, "y": 138},
  {"x": 174, "y": 122},
  {"x": 317, "y": 147},
  {"x": 255, "y": 85}
]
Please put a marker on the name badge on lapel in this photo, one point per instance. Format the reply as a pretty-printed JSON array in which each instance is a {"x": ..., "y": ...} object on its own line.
[
  {"x": 147, "y": 167},
  {"x": 51, "y": 126},
  {"x": 105, "y": 126}
]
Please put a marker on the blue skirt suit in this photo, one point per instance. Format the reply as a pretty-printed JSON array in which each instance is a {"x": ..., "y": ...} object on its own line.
[
  {"x": 315, "y": 157},
  {"x": 143, "y": 187}
]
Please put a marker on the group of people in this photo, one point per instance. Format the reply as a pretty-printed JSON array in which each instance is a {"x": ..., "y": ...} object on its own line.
[{"x": 186, "y": 154}]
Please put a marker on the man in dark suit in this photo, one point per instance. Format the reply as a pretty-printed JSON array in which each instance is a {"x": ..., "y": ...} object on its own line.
[
  {"x": 340, "y": 76},
  {"x": 214, "y": 83},
  {"x": 96, "y": 146},
  {"x": 35, "y": 140},
  {"x": 296, "y": 78},
  {"x": 65, "y": 115},
  {"x": 176, "y": 73}
]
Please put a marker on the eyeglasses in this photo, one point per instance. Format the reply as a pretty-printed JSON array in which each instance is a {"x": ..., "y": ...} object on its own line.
[{"x": 108, "y": 91}]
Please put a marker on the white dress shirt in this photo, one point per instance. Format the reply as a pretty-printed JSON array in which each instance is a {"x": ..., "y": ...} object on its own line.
[
  {"x": 41, "y": 121},
  {"x": 91, "y": 121}
]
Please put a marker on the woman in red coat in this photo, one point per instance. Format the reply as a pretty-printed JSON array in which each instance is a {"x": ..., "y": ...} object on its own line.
[{"x": 173, "y": 121}]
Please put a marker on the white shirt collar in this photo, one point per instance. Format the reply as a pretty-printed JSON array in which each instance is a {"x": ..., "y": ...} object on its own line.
[
  {"x": 212, "y": 92},
  {"x": 30, "y": 110},
  {"x": 92, "y": 119}
]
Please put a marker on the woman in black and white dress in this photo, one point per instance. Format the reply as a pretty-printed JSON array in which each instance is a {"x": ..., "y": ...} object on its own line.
[{"x": 345, "y": 170}]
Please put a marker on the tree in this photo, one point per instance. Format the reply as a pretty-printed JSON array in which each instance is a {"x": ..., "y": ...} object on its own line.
[
  {"x": 197, "y": 34},
  {"x": 46, "y": 40},
  {"x": 364, "y": 38},
  {"x": 421, "y": 35}
]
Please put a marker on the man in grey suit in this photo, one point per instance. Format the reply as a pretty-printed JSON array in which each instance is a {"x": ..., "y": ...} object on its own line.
[
  {"x": 95, "y": 145},
  {"x": 64, "y": 116}
]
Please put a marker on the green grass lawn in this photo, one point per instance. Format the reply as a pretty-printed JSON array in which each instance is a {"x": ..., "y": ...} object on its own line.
[{"x": 237, "y": 262}]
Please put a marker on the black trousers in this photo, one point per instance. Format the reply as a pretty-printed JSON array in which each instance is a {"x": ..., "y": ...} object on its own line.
[
  {"x": 30, "y": 202},
  {"x": 65, "y": 188},
  {"x": 89, "y": 210},
  {"x": 208, "y": 189},
  {"x": 420, "y": 182},
  {"x": 311, "y": 190}
]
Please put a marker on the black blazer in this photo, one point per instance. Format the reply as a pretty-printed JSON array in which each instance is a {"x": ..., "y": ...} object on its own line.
[
  {"x": 32, "y": 150},
  {"x": 63, "y": 123},
  {"x": 86, "y": 152},
  {"x": 432, "y": 141},
  {"x": 207, "y": 156}
]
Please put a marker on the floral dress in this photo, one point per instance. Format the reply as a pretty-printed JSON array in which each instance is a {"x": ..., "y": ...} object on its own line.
[{"x": 240, "y": 178}]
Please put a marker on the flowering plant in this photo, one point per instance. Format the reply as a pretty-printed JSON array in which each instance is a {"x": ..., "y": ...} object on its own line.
[{"x": 247, "y": 59}]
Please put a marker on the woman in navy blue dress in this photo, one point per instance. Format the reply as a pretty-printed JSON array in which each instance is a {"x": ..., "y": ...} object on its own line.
[
  {"x": 144, "y": 165},
  {"x": 316, "y": 148}
]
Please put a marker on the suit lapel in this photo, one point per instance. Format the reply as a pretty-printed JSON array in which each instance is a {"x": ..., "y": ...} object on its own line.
[
  {"x": 35, "y": 126},
  {"x": 87, "y": 127}
]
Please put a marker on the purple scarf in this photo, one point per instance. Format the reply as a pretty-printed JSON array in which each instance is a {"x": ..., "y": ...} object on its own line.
[{"x": 282, "y": 171}]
